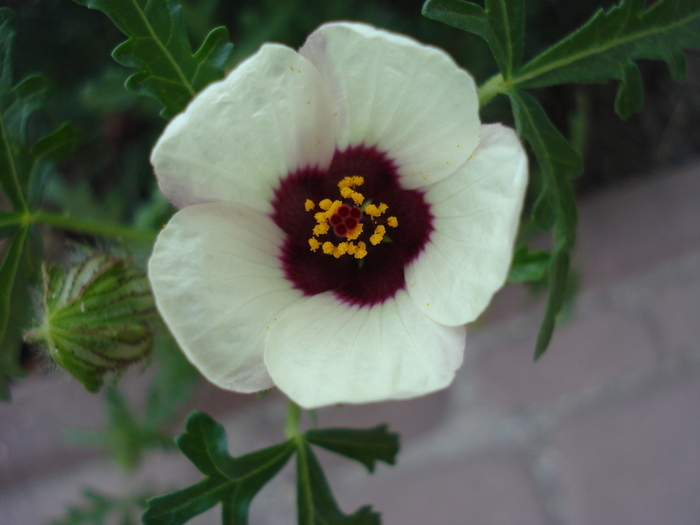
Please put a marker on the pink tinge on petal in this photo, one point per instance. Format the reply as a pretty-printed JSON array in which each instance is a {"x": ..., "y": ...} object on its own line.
[{"x": 357, "y": 281}]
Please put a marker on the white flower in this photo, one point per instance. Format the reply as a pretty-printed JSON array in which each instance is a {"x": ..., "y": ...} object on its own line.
[{"x": 263, "y": 277}]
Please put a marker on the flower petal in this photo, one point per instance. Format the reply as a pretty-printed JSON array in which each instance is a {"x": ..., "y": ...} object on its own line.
[
  {"x": 476, "y": 214},
  {"x": 272, "y": 115},
  {"x": 409, "y": 100},
  {"x": 217, "y": 281},
  {"x": 323, "y": 351}
]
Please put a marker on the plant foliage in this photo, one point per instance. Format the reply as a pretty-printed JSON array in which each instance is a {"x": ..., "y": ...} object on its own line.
[
  {"x": 158, "y": 46},
  {"x": 603, "y": 49},
  {"x": 25, "y": 163},
  {"x": 233, "y": 482}
]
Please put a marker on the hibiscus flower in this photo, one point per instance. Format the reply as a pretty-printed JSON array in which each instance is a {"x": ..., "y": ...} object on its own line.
[{"x": 343, "y": 214}]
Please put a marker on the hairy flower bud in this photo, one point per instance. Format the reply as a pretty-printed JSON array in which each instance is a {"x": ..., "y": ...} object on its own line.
[{"x": 97, "y": 317}]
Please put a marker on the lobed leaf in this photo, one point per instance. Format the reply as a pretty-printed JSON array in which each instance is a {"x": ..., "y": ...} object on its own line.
[
  {"x": 558, "y": 163},
  {"x": 233, "y": 482},
  {"x": 528, "y": 266},
  {"x": 607, "y": 45},
  {"x": 9, "y": 365},
  {"x": 366, "y": 446},
  {"x": 159, "y": 48},
  {"x": 315, "y": 502},
  {"x": 501, "y": 23},
  {"x": 230, "y": 481}
]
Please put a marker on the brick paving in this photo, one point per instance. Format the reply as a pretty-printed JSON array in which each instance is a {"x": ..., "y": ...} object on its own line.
[{"x": 604, "y": 429}]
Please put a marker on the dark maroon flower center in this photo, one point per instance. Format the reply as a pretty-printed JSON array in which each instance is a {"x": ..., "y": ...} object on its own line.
[
  {"x": 345, "y": 219},
  {"x": 364, "y": 280}
]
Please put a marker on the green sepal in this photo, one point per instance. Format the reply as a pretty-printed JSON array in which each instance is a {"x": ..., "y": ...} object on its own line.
[
  {"x": 230, "y": 481},
  {"x": 158, "y": 46},
  {"x": 558, "y": 164},
  {"x": 364, "y": 445},
  {"x": 501, "y": 23},
  {"x": 528, "y": 267},
  {"x": 97, "y": 317},
  {"x": 315, "y": 502}
]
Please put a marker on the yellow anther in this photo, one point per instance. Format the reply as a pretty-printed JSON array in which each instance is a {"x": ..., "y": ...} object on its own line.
[
  {"x": 341, "y": 249},
  {"x": 392, "y": 221},
  {"x": 309, "y": 205},
  {"x": 372, "y": 210},
  {"x": 354, "y": 234},
  {"x": 379, "y": 232},
  {"x": 334, "y": 207},
  {"x": 315, "y": 245},
  {"x": 382, "y": 208},
  {"x": 321, "y": 216},
  {"x": 346, "y": 191},
  {"x": 358, "y": 198},
  {"x": 325, "y": 204},
  {"x": 351, "y": 182},
  {"x": 361, "y": 250},
  {"x": 321, "y": 228},
  {"x": 328, "y": 247},
  {"x": 351, "y": 248}
]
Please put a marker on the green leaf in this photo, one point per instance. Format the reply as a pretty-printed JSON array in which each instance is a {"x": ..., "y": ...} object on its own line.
[
  {"x": 605, "y": 47},
  {"x": 230, "y": 481},
  {"x": 9, "y": 222},
  {"x": 630, "y": 94},
  {"x": 366, "y": 446},
  {"x": 315, "y": 503},
  {"x": 7, "y": 39},
  {"x": 528, "y": 266},
  {"x": 159, "y": 48},
  {"x": 9, "y": 365},
  {"x": 100, "y": 508},
  {"x": 47, "y": 152},
  {"x": 501, "y": 23},
  {"x": 558, "y": 163}
]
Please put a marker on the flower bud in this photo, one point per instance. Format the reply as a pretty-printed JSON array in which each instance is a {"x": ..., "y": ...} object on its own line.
[{"x": 97, "y": 317}]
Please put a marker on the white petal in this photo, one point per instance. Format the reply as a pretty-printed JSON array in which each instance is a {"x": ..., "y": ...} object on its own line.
[
  {"x": 217, "y": 281},
  {"x": 271, "y": 115},
  {"x": 323, "y": 351},
  {"x": 477, "y": 212},
  {"x": 409, "y": 100}
]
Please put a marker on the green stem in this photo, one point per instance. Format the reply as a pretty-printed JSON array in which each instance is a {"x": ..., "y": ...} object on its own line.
[
  {"x": 105, "y": 229},
  {"x": 492, "y": 87},
  {"x": 291, "y": 427}
]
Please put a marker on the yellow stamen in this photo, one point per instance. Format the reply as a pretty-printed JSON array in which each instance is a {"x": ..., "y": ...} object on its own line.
[
  {"x": 341, "y": 249},
  {"x": 315, "y": 245},
  {"x": 325, "y": 204},
  {"x": 358, "y": 198},
  {"x": 351, "y": 182},
  {"x": 361, "y": 250},
  {"x": 328, "y": 247},
  {"x": 392, "y": 221},
  {"x": 382, "y": 208},
  {"x": 379, "y": 232},
  {"x": 320, "y": 216},
  {"x": 354, "y": 234},
  {"x": 321, "y": 228},
  {"x": 309, "y": 205}
]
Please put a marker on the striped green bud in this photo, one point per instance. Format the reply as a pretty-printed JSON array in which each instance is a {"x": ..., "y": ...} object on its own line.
[{"x": 97, "y": 317}]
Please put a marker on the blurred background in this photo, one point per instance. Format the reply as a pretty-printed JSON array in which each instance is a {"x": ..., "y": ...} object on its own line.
[{"x": 605, "y": 429}]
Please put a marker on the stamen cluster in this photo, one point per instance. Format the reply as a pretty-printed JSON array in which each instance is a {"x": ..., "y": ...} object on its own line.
[{"x": 346, "y": 221}]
